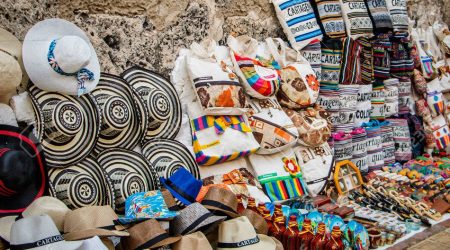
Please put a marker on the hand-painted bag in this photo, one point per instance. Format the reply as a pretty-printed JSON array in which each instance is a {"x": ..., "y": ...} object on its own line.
[
  {"x": 214, "y": 137},
  {"x": 271, "y": 127},
  {"x": 218, "y": 89},
  {"x": 329, "y": 16},
  {"x": 279, "y": 175},
  {"x": 298, "y": 21},
  {"x": 299, "y": 85},
  {"x": 313, "y": 125},
  {"x": 356, "y": 18},
  {"x": 258, "y": 71},
  {"x": 316, "y": 165}
]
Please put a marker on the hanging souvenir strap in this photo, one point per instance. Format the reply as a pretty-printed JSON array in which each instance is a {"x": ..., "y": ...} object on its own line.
[
  {"x": 313, "y": 54},
  {"x": 330, "y": 17},
  {"x": 391, "y": 97},
  {"x": 405, "y": 99},
  {"x": 399, "y": 15},
  {"x": 343, "y": 148},
  {"x": 359, "y": 149},
  {"x": 377, "y": 101},
  {"x": 381, "y": 20},
  {"x": 82, "y": 75},
  {"x": 387, "y": 142},
  {"x": 298, "y": 21},
  {"x": 402, "y": 139},
  {"x": 331, "y": 63},
  {"x": 350, "y": 67},
  {"x": 363, "y": 104},
  {"x": 356, "y": 18},
  {"x": 381, "y": 57},
  {"x": 366, "y": 60},
  {"x": 348, "y": 96},
  {"x": 401, "y": 62},
  {"x": 416, "y": 130},
  {"x": 375, "y": 153}
]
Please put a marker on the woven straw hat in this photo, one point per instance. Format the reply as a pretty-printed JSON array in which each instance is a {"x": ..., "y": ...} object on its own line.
[
  {"x": 193, "y": 241},
  {"x": 148, "y": 234},
  {"x": 218, "y": 199},
  {"x": 258, "y": 222},
  {"x": 194, "y": 217}
]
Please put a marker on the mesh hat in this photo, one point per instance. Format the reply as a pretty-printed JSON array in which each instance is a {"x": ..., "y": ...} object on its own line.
[
  {"x": 194, "y": 217},
  {"x": 148, "y": 234}
]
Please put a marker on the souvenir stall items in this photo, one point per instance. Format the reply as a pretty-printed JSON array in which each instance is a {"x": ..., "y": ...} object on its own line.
[
  {"x": 193, "y": 241},
  {"x": 387, "y": 142},
  {"x": 402, "y": 139},
  {"x": 183, "y": 186},
  {"x": 124, "y": 116},
  {"x": 66, "y": 126},
  {"x": 217, "y": 88},
  {"x": 312, "y": 53},
  {"x": 74, "y": 66},
  {"x": 381, "y": 58},
  {"x": 398, "y": 13},
  {"x": 129, "y": 173},
  {"x": 148, "y": 235},
  {"x": 391, "y": 97},
  {"x": 343, "y": 148},
  {"x": 271, "y": 127},
  {"x": 346, "y": 177},
  {"x": 221, "y": 201},
  {"x": 331, "y": 64},
  {"x": 405, "y": 100},
  {"x": 416, "y": 131},
  {"x": 401, "y": 62},
  {"x": 279, "y": 175},
  {"x": 254, "y": 66},
  {"x": 83, "y": 184},
  {"x": 298, "y": 21},
  {"x": 23, "y": 171},
  {"x": 366, "y": 60},
  {"x": 348, "y": 95},
  {"x": 378, "y": 101},
  {"x": 381, "y": 19},
  {"x": 316, "y": 166},
  {"x": 434, "y": 98},
  {"x": 359, "y": 149},
  {"x": 13, "y": 74},
  {"x": 374, "y": 145},
  {"x": 329, "y": 17},
  {"x": 258, "y": 222},
  {"x": 167, "y": 156},
  {"x": 350, "y": 62},
  {"x": 163, "y": 104},
  {"x": 363, "y": 104},
  {"x": 356, "y": 18}
]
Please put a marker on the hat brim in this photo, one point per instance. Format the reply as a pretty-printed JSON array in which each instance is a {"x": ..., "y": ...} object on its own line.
[
  {"x": 143, "y": 80},
  {"x": 214, "y": 209},
  {"x": 176, "y": 195},
  {"x": 16, "y": 138},
  {"x": 35, "y": 49},
  {"x": 122, "y": 160},
  {"x": 59, "y": 155},
  {"x": 85, "y": 234},
  {"x": 137, "y": 122},
  {"x": 161, "y": 243},
  {"x": 5, "y": 227},
  {"x": 208, "y": 225},
  {"x": 67, "y": 245},
  {"x": 12, "y": 45},
  {"x": 265, "y": 242},
  {"x": 168, "y": 156},
  {"x": 101, "y": 194}
]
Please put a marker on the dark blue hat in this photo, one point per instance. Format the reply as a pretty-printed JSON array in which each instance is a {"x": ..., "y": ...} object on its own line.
[{"x": 183, "y": 186}]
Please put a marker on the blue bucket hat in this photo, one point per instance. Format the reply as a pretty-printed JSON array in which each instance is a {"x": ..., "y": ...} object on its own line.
[{"x": 183, "y": 186}]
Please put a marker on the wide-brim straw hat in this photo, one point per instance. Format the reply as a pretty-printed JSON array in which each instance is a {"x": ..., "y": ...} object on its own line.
[
  {"x": 221, "y": 200},
  {"x": 124, "y": 114},
  {"x": 67, "y": 126},
  {"x": 129, "y": 172},
  {"x": 258, "y": 222},
  {"x": 83, "y": 184},
  {"x": 193, "y": 241},
  {"x": 148, "y": 235},
  {"x": 164, "y": 107},
  {"x": 72, "y": 52}
]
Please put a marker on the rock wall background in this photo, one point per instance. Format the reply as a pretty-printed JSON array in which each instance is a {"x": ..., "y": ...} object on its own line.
[{"x": 151, "y": 32}]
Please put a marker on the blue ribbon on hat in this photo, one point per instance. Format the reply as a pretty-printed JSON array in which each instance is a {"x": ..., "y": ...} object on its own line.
[{"x": 82, "y": 75}]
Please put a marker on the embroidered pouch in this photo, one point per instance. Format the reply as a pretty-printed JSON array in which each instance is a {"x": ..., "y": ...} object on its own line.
[
  {"x": 316, "y": 165},
  {"x": 312, "y": 124},
  {"x": 329, "y": 16},
  {"x": 402, "y": 64},
  {"x": 356, "y": 18},
  {"x": 259, "y": 73},
  {"x": 270, "y": 125},
  {"x": 381, "y": 56},
  {"x": 214, "y": 137},
  {"x": 298, "y": 21},
  {"x": 279, "y": 175}
]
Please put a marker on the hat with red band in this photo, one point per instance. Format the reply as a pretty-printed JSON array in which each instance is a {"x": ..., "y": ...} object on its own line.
[{"x": 23, "y": 172}]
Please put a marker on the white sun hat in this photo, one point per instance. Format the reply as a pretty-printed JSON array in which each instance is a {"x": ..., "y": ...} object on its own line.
[{"x": 59, "y": 57}]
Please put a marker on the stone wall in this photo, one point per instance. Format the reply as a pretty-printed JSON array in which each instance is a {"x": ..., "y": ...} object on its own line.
[{"x": 151, "y": 32}]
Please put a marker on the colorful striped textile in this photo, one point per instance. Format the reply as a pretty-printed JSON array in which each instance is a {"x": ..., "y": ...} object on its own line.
[
  {"x": 402, "y": 63},
  {"x": 356, "y": 18},
  {"x": 329, "y": 16},
  {"x": 331, "y": 63},
  {"x": 313, "y": 54},
  {"x": 284, "y": 188},
  {"x": 405, "y": 98},
  {"x": 381, "y": 20},
  {"x": 377, "y": 100},
  {"x": 350, "y": 66},
  {"x": 402, "y": 139},
  {"x": 298, "y": 21},
  {"x": 388, "y": 143},
  {"x": 381, "y": 57},
  {"x": 391, "y": 97},
  {"x": 262, "y": 75},
  {"x": 416, "y": 130},
  {"x": 399, "y": 15},
  {"x": 359, "y": 148},
  {"x": 366, "y": 61},
  {"x": 221, "y": 123},
  {"x": 375, "y": 154},
  {"x": 348, "y": 96}
]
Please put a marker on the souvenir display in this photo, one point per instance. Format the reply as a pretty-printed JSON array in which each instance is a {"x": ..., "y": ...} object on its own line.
[{"x": 338, "y": 138}]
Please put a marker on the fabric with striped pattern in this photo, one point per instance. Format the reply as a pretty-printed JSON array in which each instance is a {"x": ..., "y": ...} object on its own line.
[
  {"x": 402, "y": 63},
  {"x": 289, "y": 188},
  {"x": 381, "y": 57},
  {"x": 356, "y": 18},
  {"x": 381, "y": 20},
  {"x": 402, "y": 139},
  {"x": 350, "y": 64},
  {"x": 331, "y": 63},
  {"x": 399, "y": 15},
  {"x": 366, "y": 60},
  {"x": 329, "y": 16}
]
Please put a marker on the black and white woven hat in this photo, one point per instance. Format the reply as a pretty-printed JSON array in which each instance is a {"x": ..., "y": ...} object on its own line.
[
  {"x": 169, "y": 155},
  {"x": 81, "y": 185},
  {"x": 129, "y": 172},
  {"x": 164, "y": 107},
  {"x": 67, "y": 126},
  {"x": 124, "y": 114}
]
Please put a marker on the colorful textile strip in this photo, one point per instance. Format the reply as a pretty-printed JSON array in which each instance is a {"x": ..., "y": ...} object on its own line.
[
  {"x": 377, "y": 100},
  {"x": 402, "y": 139},
  {"x": 331, "y": 63},
  {"x": 401, "y": 62},
  {"x": 356, "y": 18},
  {"x": 381, "y": 57},
  {"x": 366, "y": 61},
  {"x": 399, "y": 15},
  {"x": 284, "y": 189},
  {"x": 330, "y": 17},
  {"x": 221, "y": 123},
  {"x": 251, "y": 70},
  {"x": 350, "y": 68},
  {"x": 381, "y": 20}
]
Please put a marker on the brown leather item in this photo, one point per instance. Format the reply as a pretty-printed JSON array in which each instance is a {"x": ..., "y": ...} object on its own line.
[
  {"x": 320, "y": 200},
  {"x": 329, "y": 207},
  {"x": 441, "y": 206},
  {"x": 344, "y": 212}
]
